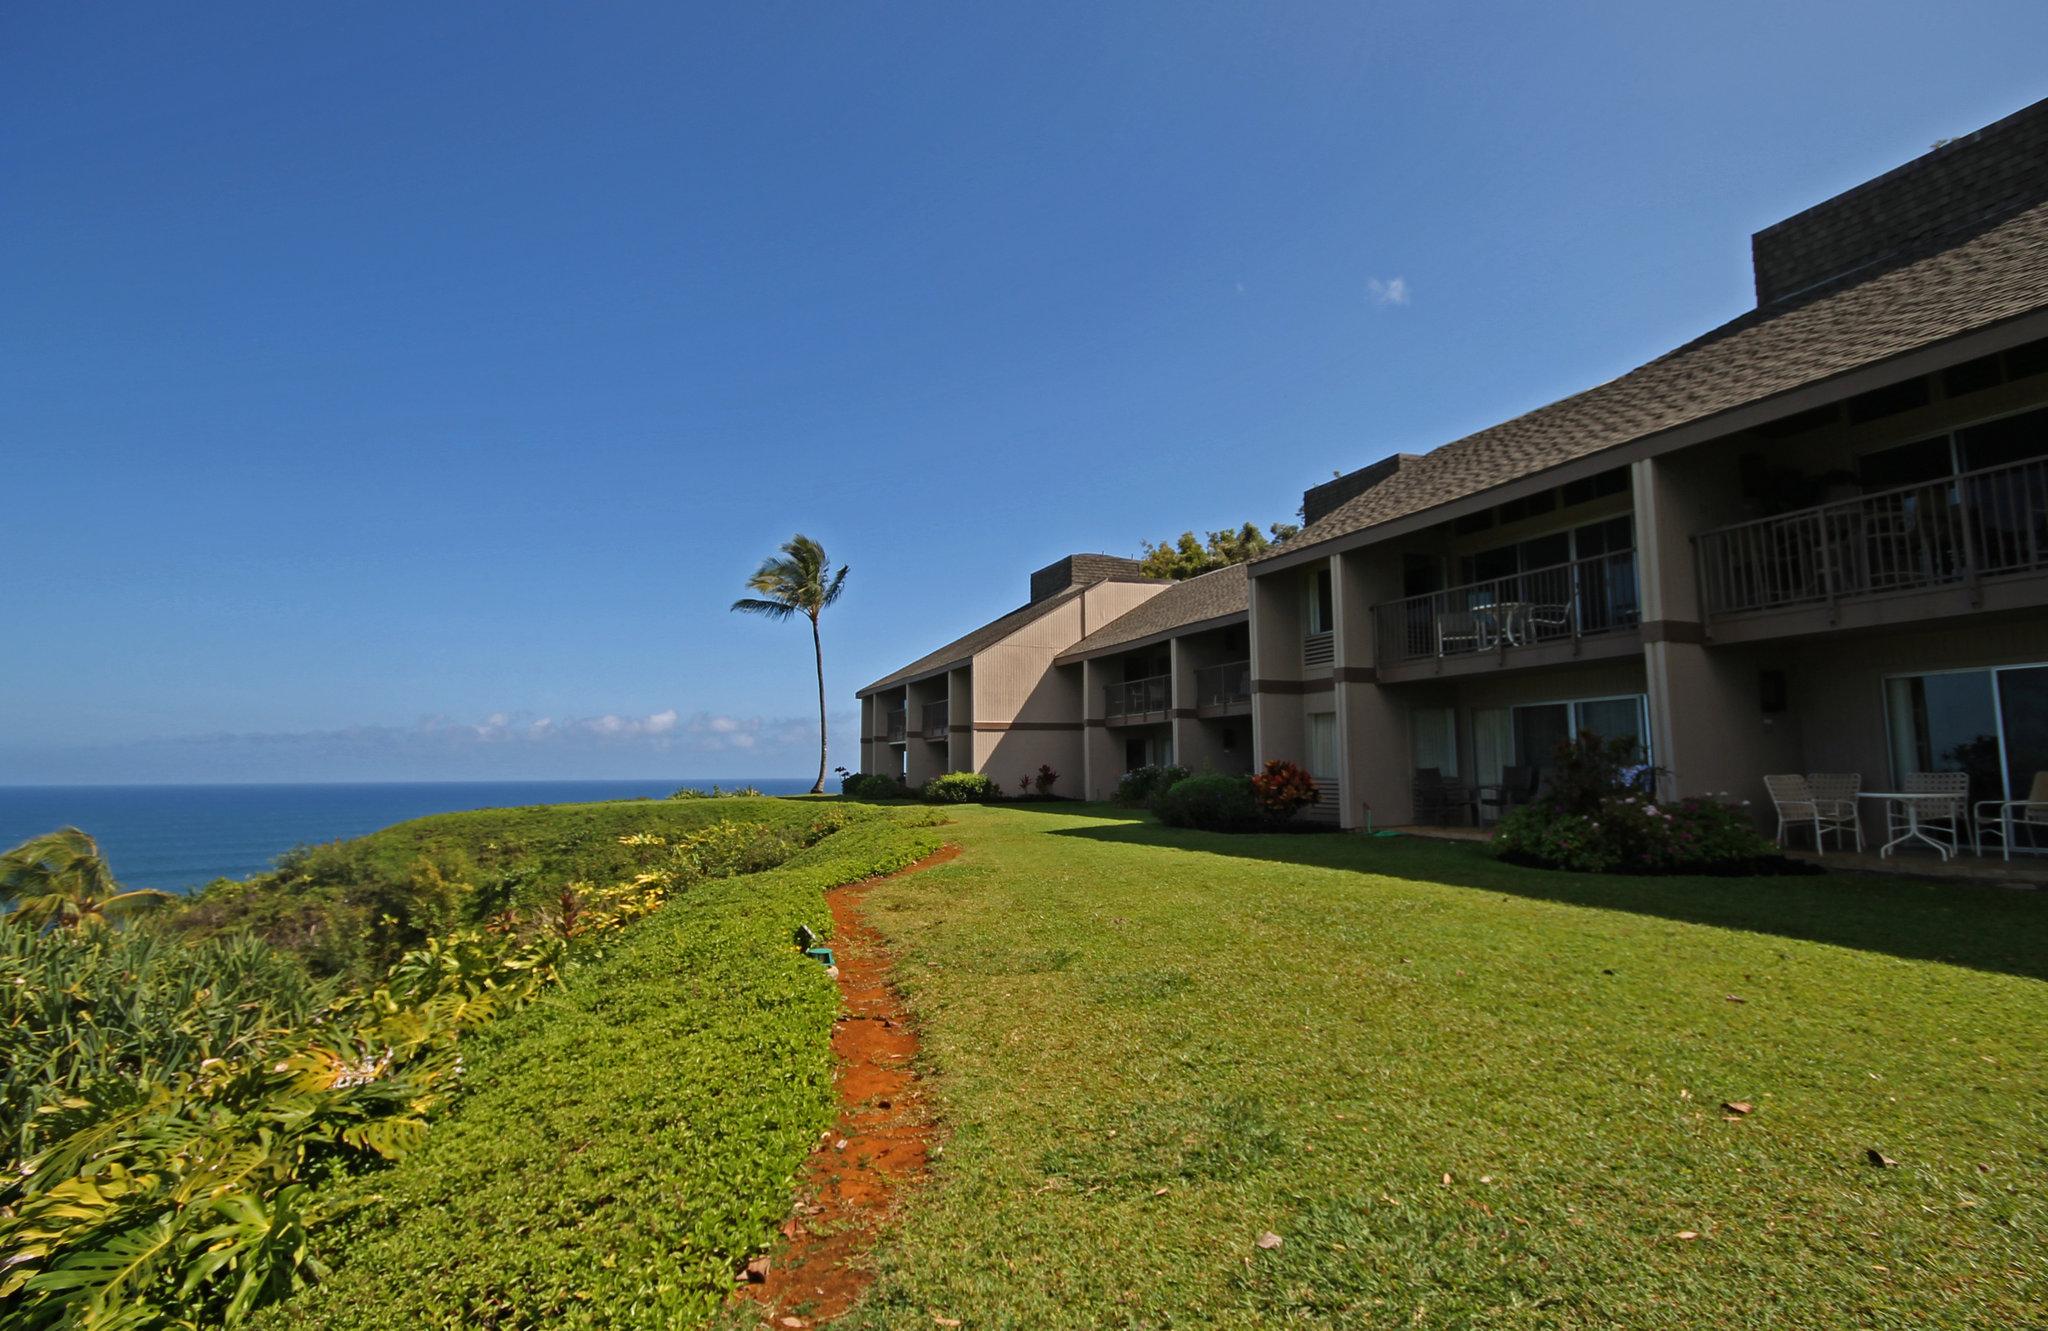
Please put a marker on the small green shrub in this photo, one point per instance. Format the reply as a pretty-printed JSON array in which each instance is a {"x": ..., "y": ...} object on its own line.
[
  {"x": 1211, "y": 803},
  {"x": 1139, "y": 787},
  {"x": 961, "y": 788},
  {"x": 716, "y": 793},
  {"x": 871, "y": 786}
]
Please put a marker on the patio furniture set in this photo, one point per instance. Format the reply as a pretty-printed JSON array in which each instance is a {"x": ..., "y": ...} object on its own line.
[{"x": 1931, "y": 808}]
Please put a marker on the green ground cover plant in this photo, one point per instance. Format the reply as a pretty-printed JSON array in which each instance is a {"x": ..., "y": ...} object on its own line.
[
  {"x": 961, "y": 788},
  {"x": 626, "y": 1142},
  {"x": 1457, "y": 1092}
]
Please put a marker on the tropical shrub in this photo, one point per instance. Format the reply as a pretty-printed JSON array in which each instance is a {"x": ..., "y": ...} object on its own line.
[
  {"x": 716, "y": 793},
  {"x": 961, "y": 788},
  {"x": 871, "y": 786},
  {"x": 1139, "y": 787},
  {"x": 1283, "y": 789},
  {"x": 1597, "y": 813},
  {"x": 1211, "y": 803},
  {"x": 1045, "y": 780}
]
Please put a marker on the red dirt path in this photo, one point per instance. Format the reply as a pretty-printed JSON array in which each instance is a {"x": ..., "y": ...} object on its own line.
[{"x": 880, "y": 1144}]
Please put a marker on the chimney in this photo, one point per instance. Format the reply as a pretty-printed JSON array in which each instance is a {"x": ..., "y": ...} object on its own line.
[
  {"x": 1937, "y": 198},
  {"x": 1322, "y": 500},
  {"x": 1082, "y": 570}
]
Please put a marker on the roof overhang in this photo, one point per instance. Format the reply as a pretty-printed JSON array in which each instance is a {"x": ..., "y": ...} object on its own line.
[
  {"x": 1153, "y": 639},
  {"x": 1820, "y": 393}
]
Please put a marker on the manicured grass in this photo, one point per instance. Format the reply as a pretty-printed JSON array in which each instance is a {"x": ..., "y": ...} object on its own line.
[
  {"x": 625, "y": 1143},
  {"x": 1153, "y": 1046}
]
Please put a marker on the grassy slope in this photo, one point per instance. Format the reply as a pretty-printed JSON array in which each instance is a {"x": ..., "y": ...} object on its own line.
[
  {"x": 1152, "y": 1046},
  {"x": 621, "y": 1145}
]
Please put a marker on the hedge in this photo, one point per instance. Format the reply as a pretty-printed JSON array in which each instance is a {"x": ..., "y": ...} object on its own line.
[{"x": 624, "y": 1144}]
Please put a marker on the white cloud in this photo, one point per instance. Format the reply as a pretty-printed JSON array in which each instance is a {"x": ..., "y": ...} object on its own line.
[{"x": 1388, "y": 291}]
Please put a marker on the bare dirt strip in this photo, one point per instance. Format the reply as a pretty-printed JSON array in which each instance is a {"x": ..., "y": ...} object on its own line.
[{"x": 849, "y": 1187}]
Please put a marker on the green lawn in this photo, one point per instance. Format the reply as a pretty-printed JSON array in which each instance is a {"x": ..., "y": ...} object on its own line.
[{"x": 1151, "y": 1047}]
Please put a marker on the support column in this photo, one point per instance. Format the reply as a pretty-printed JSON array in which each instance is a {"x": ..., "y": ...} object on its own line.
[
  {"x": 1277, "y": 730},
  {"x": 1372, "y": 729},
  {"x": 1188, "y": 748},
  {"x": 1101, "y": 764},
  {"x": 923, "y": 759}
]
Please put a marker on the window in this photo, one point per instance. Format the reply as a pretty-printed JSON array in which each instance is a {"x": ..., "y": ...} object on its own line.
[
  {"x": 1433, "y": 738},
  {"x": 1540, "y": 727},
  {"x": 1322, "y": 608},
  {"x": 1907, "y": 464},
  {"x": 1322, "y": 744},
  {"x": 2007, "y": 439}
]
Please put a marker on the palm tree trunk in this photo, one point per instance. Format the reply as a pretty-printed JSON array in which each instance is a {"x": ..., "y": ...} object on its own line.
[{"x": 818, "y": 650}]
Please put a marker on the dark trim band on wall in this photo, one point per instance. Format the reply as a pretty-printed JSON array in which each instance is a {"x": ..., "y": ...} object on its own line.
[
  {"x": 1356, "y": 674},
  {"x": 1094, "y": 721},
  {"x": 1674, "y": 630},
  {"x": 997, "y": 726},
  {"x": 1323, "y": 685},
  {"x": 1181, "y": 713}
]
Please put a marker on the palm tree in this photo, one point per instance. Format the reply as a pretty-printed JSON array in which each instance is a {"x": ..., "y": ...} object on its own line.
[
  {"x": 60, "y": 880},
  {"x": 795, "y": 583}
]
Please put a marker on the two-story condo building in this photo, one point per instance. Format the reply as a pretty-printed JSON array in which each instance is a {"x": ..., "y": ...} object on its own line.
[{"x": 1812, "y": 539}]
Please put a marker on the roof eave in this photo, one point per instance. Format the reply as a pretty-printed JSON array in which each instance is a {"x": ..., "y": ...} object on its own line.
[
  {"x": 1819, "y": 393},
  {"x": 1163, "y": 635}
]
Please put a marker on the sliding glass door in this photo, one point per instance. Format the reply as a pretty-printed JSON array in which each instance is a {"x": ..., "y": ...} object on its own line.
[{"x": 1991, "y": 723}]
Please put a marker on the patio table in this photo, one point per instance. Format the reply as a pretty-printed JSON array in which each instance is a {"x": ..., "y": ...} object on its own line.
[
  {"x": 1507, "y": 617},
  {"x": 1913, "y": 832}
]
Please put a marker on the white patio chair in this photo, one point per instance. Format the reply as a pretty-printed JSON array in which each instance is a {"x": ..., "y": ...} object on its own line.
[
  {"x": 1935, "y": 816},
  {"x": 1459, "y": 629},
  {"x": 1793, "y": 798},
  {"x": 2008, "y": 816},
  {"x": 1834, "y": 800}
]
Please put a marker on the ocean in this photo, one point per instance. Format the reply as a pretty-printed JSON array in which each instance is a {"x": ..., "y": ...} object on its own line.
[{"x": 180, "y": 837}]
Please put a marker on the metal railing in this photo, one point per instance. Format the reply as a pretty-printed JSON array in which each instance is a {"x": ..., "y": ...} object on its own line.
[
  {"x": 1976, "y": 524},
  {"x": 1139, "y": 697},
  {"x": 1223, "y": 685},
  {"x": 896, "y": 727},
  {"x": 1562, "y": 603},
  {"x": 936, "y": 720},
  {"x": 1318, "y": 649}
]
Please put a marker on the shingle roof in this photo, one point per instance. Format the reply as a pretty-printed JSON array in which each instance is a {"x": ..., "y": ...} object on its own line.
[
  {"x": 1210, "y": 596},
  {"x": 1997, "y": 274},
  {"x": 958, "y": 651}
]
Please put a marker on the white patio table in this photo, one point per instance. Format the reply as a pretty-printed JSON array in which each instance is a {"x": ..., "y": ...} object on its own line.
[
  {"x": 1507, "y": 617},
  {"x": 1913, "y": 832}
]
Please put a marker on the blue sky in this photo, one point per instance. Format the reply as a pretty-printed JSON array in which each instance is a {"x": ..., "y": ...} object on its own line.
[{"x": 405, "y": 392}]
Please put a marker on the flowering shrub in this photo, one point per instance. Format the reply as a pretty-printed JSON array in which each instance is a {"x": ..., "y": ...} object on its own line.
[
  {"x": 1142, "y": 786},
  {"x": 1597, "y": 814},
  {"x": 1283, "y": 790}
]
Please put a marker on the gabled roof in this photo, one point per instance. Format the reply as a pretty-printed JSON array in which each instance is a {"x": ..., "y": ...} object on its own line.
[
  {"x": 962, "y": 649},
  {"x": 1218, "y": 596},
  {"x": 1998, "y": 274}
]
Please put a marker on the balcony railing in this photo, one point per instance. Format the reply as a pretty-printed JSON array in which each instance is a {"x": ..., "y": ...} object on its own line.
[
  {"x": 1223, "y": 685},
  {"x": 1318, "y": 649},
  {"x": 1139, "y": 697},
  {"x": 1974, "y": 525},
  {"x": 896, "y": 727},
  {"x": 936, "y": 720},
  {"x": 1562, "y": 603}
]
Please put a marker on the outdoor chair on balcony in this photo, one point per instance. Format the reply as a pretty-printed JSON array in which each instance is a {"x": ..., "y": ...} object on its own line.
[
  {"x": 1937, "y": 819},
  {"x": 1438, "y": 801},
  {"x": 1547, "y": 619},
  {"x": 1793, "y": 796},
  {"x": 2006, "y": 818},
  {"x": 1460, "y": 631}
]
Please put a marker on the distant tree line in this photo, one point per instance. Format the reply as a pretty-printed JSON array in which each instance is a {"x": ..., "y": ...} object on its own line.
[{"x": 1191, "y": 556}]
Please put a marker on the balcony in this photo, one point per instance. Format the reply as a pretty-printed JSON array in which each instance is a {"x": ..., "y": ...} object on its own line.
[
  {"x": 936, "y": 721},
  {"x": 1139, "y": 701},
  {"x": 896, "y": 729},
  {"x": 1948, "y": 535},
  {"x": 1223, "y": 690},
  {"x": 1557, "y": 608}
]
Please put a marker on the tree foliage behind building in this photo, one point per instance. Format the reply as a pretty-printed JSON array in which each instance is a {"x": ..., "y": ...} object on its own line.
[{"x": 1190, "y": 556}]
